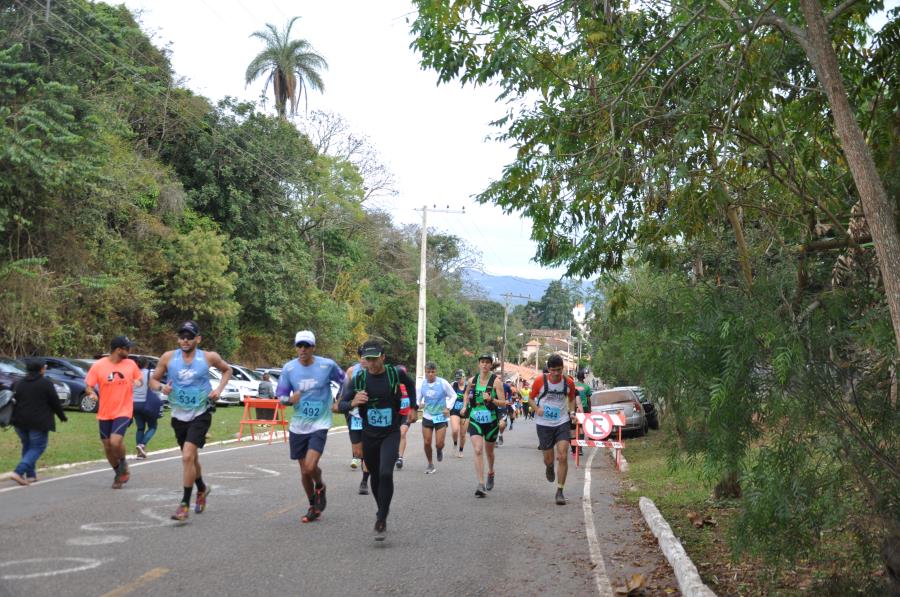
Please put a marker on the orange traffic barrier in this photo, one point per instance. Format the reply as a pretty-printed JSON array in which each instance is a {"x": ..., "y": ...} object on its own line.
[
  {"x": 597, "y": 427},
  {"x": 276, "y": 421}
]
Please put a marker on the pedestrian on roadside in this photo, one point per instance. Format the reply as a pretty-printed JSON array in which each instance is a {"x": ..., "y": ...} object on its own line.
[
  {"x": 555, "y": 406},
  {"x": 305, "y": 382},
  {"x": 145, "y": 422},
  {"x": 483, "y": 397},
  {"x": 376, "y": 392},
  {"x": 266, "y": 387},
  {"x": 32, "y": 418},
  {"x": 435, "y": 394},
  {"x": 116, "y": 376},
  {"x": 192, "y": 404}
]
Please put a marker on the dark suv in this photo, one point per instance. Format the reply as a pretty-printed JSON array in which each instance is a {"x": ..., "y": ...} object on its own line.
[{"x": 12, "y": 371}]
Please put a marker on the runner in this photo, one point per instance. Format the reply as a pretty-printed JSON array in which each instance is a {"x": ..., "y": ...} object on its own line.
[
  {"x": 354, "y": 427},
  {"x": 482, "y": 398},
  {"x": 116, "y": 376},
  {"x": 436, "y": 394},
  {"x": 405, "y": 420},
  {"x": 459, "y": 423},
  {"x": 513, "y": 399},
  {"x": 554, "y": 402},
  {"x": 503, "y": 413},
  {"x": 305, "y": 382},
  {"x": 584, "y": 396},
  {"x": 376, "y": 392},
  {"x": 525, "y": 392},
  {"x": 192, "y": 404}
]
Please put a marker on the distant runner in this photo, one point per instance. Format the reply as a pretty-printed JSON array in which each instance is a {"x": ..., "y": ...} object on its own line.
[
  {"x": 354, "y": 427},
  {"x": 484, "y": 395},
  {"x": 405, "y": 419},
  {"x": 459, "y": 423},
  {"x": 305, "y": 382},
  {"x": 192, "y": 404},
  {"x": 436, "y": 394},
  {"x": 555, "y": 405},
  {"x": 584, "y": 392}
]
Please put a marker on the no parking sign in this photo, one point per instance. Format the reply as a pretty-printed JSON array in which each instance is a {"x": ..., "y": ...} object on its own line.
[{"x": 596, "y": 426}]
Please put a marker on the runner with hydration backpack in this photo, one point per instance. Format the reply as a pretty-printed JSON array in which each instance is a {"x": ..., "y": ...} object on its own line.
[{"x": 484, "y": 395}]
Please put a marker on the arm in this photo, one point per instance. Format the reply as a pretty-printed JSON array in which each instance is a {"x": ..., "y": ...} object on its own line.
[
  {"x": 410, "y": 384},
  {"x": 535, "y": 392},
  {"x": 501, "y": 393},
  {"x": 53, "y": 401},
  {"x": 159, "y": 373},
  {"x": 468, "y": 386},
  {"x": 350, "y": 398},
  {"x": 219, "y": 363}
]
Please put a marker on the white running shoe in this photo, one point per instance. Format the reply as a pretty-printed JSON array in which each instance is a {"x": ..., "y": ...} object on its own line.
[{"x": 354, "y": 463}]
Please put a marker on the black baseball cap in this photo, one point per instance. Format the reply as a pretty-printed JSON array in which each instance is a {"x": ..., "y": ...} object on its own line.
[
  {"x": 371, "y": 349},
  {"x": 120, "y": 342},
  {"x": 486, "y": 356},
  {"x": 190, "y": 327}
]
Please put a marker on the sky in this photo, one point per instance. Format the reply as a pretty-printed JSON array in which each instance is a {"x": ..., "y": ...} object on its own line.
[{"x": 433, "y": 138}]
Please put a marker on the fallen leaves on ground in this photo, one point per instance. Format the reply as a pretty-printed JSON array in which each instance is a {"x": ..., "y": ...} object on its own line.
[
  {"x": 699, "y": 520},
  {"x": 632, "y": 585}
]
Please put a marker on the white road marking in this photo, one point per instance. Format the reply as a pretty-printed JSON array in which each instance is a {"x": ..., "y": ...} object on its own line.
[
  {"x": 83, "y": 564},
  {"x": 91, "y": 540},
  {"x": 117, "y": 525},
  {"x": 265, "y": 470},
  {"x": 604, "y": 588}
]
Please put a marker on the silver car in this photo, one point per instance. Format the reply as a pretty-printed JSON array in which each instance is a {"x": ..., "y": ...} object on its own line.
[{"x": 621, "y": 400}]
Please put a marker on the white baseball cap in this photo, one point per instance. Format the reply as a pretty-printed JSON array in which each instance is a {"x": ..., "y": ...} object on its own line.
[{"x": 305, "y": 336}]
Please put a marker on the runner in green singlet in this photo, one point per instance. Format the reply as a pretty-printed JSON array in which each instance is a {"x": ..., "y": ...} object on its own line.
[{"x": 484, "y": 395}]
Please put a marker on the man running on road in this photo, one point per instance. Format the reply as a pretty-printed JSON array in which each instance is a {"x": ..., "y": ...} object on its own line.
[
  {"x": 192, "y": 404},
  {"x": 484, "y": 395},
  {"x": 554, "y": 405},
  {"x": 436, "y": 394},
  {"x": 376, "y": 392},
  {"x": 305, "y": 382},
  {"x": 116, "y": 376},
  {"x": 459, "y": 423}
]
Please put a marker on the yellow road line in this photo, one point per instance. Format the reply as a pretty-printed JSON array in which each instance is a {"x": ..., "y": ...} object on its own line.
[
  {"x": 276, "y": 513},
  {"x": 139, "y": 582}
]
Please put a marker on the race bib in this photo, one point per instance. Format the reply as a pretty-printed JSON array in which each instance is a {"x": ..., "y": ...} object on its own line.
[
  {"x": 187, "y": 399},
  {"x": 379, "y": 417},
  {"x": 438, "y": 418},
  {"x": 458, "y": 405},
  {"x": 311, "y": 410},
  {"x": 404, "y": 403},
  {"x": 355, "y": 423},
  {"x": 551, "y": 413},
  {"x": 482, "y": 416}
]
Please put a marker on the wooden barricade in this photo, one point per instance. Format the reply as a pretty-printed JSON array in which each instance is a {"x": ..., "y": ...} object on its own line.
[
  {"x": 597, "y": 431},
  {"x": 276, "y": 421}
]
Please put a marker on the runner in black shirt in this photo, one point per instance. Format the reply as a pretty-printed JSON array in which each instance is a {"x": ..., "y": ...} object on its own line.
[{"x": 377, "y": 392}]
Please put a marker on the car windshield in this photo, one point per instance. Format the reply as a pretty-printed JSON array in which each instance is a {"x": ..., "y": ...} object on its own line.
[
  {"x": 11, "y": 366},
  {"x": 254, "y": 375},
  {"x": 83, "y": 364},
  {"x": 611, "y": 397},
  {"x": 238, "y": 373}
]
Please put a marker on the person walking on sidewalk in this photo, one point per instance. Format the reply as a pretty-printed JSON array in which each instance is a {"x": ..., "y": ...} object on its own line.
[
  {"x": 32, "y": 418},
  {"x": 554, "y": 408},
  {"x": 376, "y": 392},
  {"x": 192, "y": 404},
  {"x": 436, "y": 394},
  {"x": 305, "y": 382},
  {"x": 483, "y": 397},
  {"x": 116, "y": 376},
  {"x": 145, "y": 422}
]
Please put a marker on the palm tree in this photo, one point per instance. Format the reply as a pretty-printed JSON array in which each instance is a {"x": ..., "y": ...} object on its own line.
[{"x": 292, "y": 66}]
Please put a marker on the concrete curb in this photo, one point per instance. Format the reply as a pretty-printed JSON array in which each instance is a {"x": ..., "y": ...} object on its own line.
[
  {"x": 612, "y": 453},
  {"x": 689, "y": 582},
  {"x": 279, "y": 435}
]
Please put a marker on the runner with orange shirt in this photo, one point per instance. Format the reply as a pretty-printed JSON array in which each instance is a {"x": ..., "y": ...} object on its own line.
[{"x": 116, "y": 376}]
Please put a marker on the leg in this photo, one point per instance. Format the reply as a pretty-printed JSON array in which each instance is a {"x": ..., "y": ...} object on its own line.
[
  {"x": 463, "y": 432},
  {"x": 152, "y": 424},
  {"x": 389, "y": 449},
  {"x": 190, "y": 465},
  {"x": 403, "y": 430},
  {"x": 562, "y": 461},
  {"x": 427, "y": 433},
  {"x": 454, "y": 429},
  {"x": 371, "y": 449},
  {"x": 440, "y": 435},
  {"x": 489, "y": 450},
  {"x": 478, "y": 450},
  {"x": 139, "y": 424},
  {"x": 310, "y": 473}
]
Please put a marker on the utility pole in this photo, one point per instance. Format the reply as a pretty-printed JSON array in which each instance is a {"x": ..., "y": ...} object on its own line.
[
  {"x": 423, "y": 278},
  {"x": 506, "y": 296}
]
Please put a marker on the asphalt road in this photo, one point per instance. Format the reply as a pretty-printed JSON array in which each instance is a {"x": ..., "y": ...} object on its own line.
[{"x": 74, "y": 535}]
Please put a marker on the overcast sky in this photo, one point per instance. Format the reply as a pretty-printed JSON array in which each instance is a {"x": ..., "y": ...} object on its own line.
[{"x": 432, "y": 138}]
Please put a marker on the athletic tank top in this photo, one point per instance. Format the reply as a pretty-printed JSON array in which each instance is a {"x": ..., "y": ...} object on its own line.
[
  {"x": 481, "y": 412},
  {"x": 460, "y": 393},
  {"x": 190, "y": 385},
  {"x": 555, "y": 403}
]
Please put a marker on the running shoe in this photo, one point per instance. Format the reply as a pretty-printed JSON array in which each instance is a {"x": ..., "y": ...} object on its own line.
[
  {"x": 560, "y": 498},
  {"x": 551, "y": 476},
  {"x": 400, "y": 463},
  {"x": 320, "y": 498},
  {"x": 122, "y": 472},
  {"x": 430, "y": 470},
  {"x": 440, "y": 455},
  {"x": 200, "y": 505},
  {"x": 580, "y": 451},
  {"x": 490, "y": 482},
  {"x": 141, "y": 451},
  {"x": 18, "y": 478},
  {"x": 354, "y": 463},
  {"x": 310, "y": 515},
  {"x": 117, "y": 482},
  {"x": 480, "y": 492},
  {"x": 181, "y": 514},
  {"x": 500, "y": 441},
  {"x": 459, "y": 454},
  {"x": 380, "y": 527},
  {"x": 363, "y": 488}
]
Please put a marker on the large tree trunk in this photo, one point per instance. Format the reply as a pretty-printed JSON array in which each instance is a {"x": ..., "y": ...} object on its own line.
[{"x": 879, "y": 212}]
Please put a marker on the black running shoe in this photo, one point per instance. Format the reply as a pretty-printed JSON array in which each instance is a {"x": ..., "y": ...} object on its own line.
[
  {"x": 560, "y": 498},
  {"x": 380, "y": 527},
  {"x": 363, "y": 488},
  {"x": 500, "y": 440},
  {"x": 490, "y": 482},
  {"x": 440, "y": 455},
  {"x": 311, "y": 515},
  {"x": 400, "y": 463},
  {"x": 551, "y": 476},
  {"x": 320, "y": 498}
]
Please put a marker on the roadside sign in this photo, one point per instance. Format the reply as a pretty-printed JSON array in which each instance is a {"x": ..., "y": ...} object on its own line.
[{"x": 598, "y": 426}]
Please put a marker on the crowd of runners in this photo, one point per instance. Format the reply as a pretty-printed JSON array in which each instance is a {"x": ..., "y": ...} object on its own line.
[{"x": 379, "y": 401}]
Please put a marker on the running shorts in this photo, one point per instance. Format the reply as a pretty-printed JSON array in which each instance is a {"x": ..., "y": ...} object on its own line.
[
  {"x": 489, "y": 431},
  {"x": 548, "y": 437},
  {"x": 116, "y": 426},
  {"x": 428, "y": 423},
  {"x": 301, "y": 443},
  {"x": 193, "y": 431}
]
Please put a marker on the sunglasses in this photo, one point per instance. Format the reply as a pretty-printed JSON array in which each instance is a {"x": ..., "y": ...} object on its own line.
[
  {"x": 186, "y": 336},
  {"x": 304, "y": 345}
]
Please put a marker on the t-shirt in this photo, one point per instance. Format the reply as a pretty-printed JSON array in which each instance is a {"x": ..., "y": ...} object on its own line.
[
  {"x": 555, "y": 401},
  {"x": 584, "y": 392},
  {"x": 524, "y": 393},
  {"x": 116, "y": 384},
  {"x": 436, "y": 397},
  {"x": 313, "y": 411}
]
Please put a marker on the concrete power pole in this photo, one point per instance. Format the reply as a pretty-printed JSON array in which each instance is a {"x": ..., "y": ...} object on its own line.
[
  {"x": 506, "y": 296},
  {"x": 423, "y": 282}
]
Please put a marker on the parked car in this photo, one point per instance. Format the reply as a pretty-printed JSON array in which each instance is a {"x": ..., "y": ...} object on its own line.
[
  {"x": 12, "y": 371},
  {"x": 233, "y": 392},
  {"x": 624, "y": 400},
  {"x": 274, "y": 373},
  {"x": 649, "y": 408},
  {"x": 72, "y": 374}
]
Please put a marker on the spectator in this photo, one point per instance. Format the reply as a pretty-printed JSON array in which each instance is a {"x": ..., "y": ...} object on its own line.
[
  {"x": 144, "y": 421},
  {"x": 36, "y": 402}
]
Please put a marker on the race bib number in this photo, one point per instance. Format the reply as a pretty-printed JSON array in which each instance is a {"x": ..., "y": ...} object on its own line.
[
  {"x": 482, "y": 416},
  {"x": 355, "y": 423},
  {"x": 404, "y": 403},
  {"x": 311, "y": 410},
  {"x": 458, "y": 405},
  {"x": 379, "y": 417},
  {"x": 186, "y": 399},
  {"x": 438, "y": 418},
  {"x": 551, "y": 413}
]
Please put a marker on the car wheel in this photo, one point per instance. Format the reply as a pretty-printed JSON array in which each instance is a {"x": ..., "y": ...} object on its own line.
[
  {"x": 87, "y": 404},
  {"x": 642, "y": 430},
  {"x": 654, "y": 423}
]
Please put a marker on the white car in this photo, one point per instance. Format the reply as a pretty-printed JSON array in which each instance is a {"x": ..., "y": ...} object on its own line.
[{"x": 239, "y": 386}]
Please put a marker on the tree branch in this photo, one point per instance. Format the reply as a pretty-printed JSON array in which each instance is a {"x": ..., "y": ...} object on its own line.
[{"x": 839, "y": 10}]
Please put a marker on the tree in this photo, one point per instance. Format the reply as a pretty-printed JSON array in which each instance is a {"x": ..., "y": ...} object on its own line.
[{"x": 292, "y": 66}]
